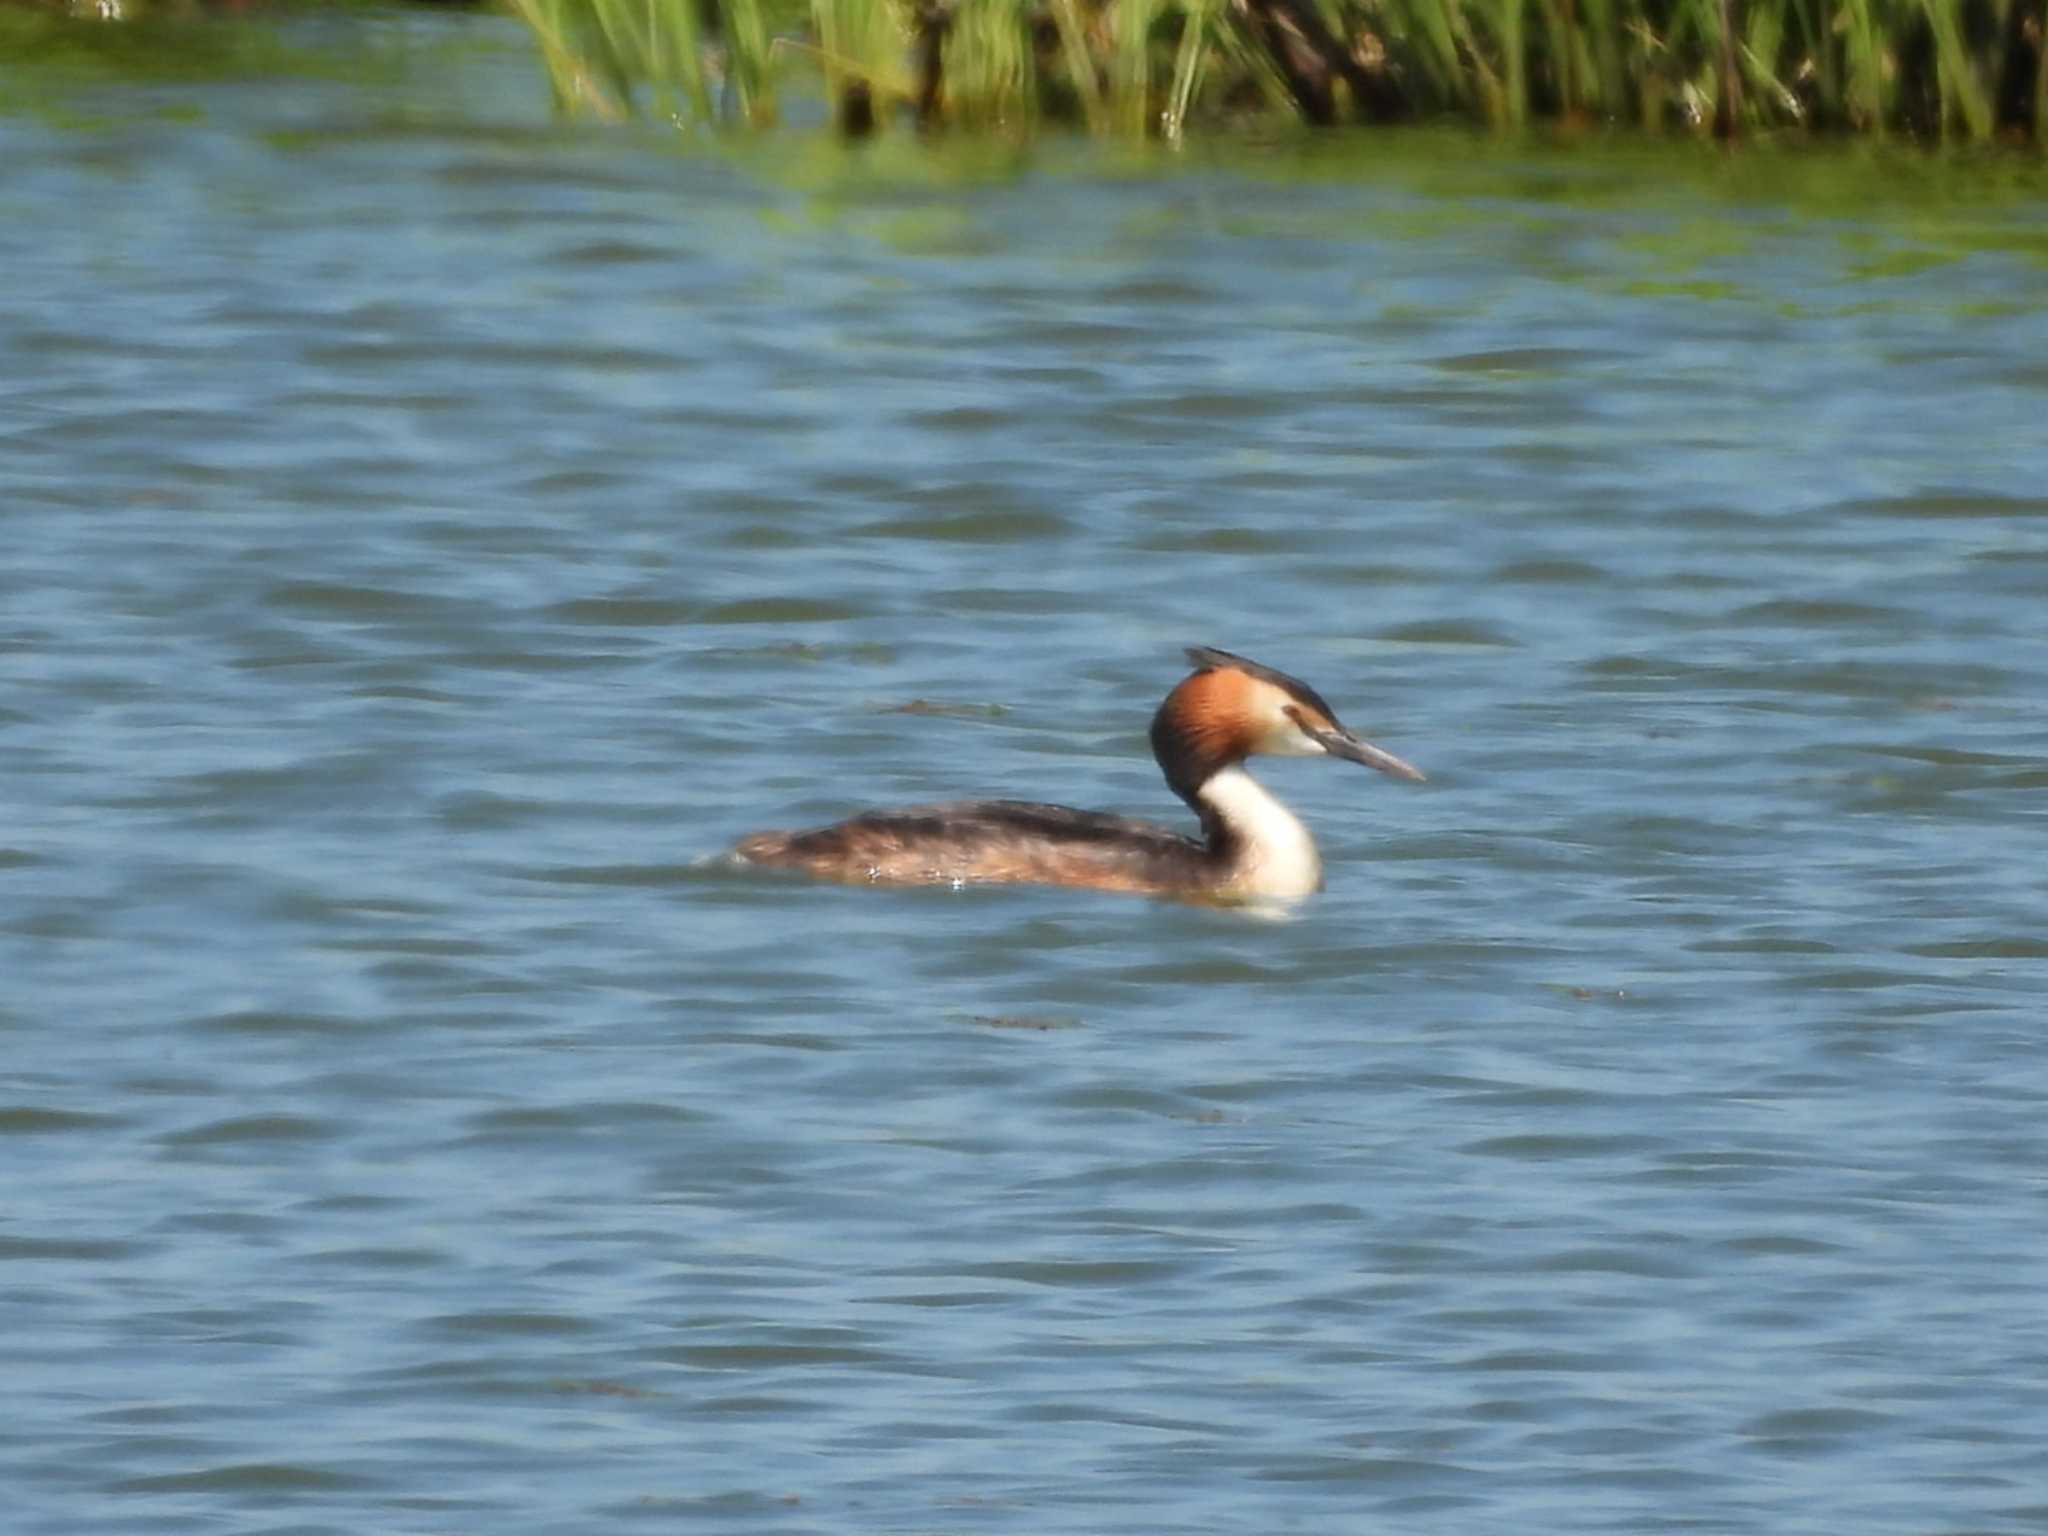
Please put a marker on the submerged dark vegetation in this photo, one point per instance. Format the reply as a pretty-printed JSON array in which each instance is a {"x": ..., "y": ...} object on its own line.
[{"x": 1966, "y": 70}]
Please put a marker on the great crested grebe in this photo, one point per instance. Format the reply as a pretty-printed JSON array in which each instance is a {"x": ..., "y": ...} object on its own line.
[{"x": 1252, "y": 847}]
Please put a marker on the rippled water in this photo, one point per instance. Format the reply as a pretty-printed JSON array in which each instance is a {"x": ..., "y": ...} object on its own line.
[{"x": 430, "y": 532}]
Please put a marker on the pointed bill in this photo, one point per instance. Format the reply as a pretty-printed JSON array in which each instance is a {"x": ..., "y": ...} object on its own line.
[{"x": 1341, "y": 743}]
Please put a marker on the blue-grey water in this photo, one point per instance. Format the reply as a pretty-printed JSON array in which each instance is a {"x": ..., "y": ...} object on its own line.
[{"x": 429, "y": 531}]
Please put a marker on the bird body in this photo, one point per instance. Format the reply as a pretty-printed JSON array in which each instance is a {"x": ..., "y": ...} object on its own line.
[{"x": 1252, "y": 847}]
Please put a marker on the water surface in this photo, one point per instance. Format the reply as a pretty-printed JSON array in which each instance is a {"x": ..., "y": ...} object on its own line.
[{"x": 431, "y": 531}]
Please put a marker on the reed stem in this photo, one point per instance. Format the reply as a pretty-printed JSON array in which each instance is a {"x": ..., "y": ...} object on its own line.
[{"x": 1967, "y": 69}]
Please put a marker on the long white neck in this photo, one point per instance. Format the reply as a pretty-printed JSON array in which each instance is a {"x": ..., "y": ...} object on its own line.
[{"x": 1274, "y": 855}]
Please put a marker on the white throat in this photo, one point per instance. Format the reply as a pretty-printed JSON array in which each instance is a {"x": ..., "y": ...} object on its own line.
[{"x": 1276, "y": 857}]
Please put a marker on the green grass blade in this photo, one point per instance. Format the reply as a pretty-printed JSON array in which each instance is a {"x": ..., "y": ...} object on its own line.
[
  {"x": 746, "y": 46},
  {"x": 576, "y": 87},
  {"x": 1187, "y": 68},
  {"x": 1081, "y": 64},
  {"x": 1131, "y": 82},
  {"x": 1962, "y": 91},
  {"x": 1508, "y": 16}
]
